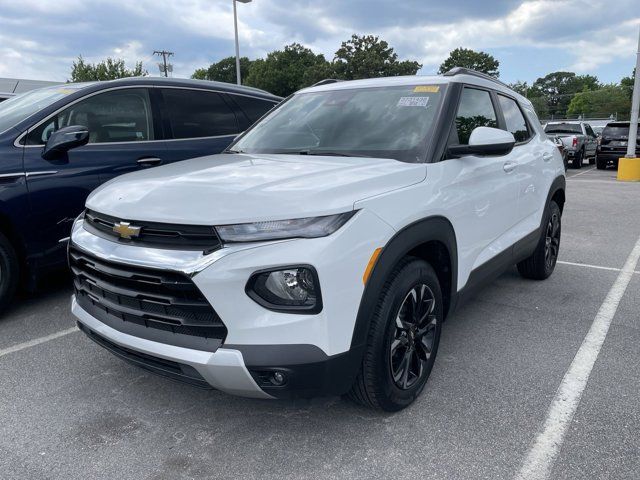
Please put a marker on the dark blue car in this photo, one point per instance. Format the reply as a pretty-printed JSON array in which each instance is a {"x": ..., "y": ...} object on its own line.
[{"x": 59, "y": 143}]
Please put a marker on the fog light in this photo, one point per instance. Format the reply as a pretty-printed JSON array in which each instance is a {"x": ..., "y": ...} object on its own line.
[
  {"x": 278, "y": 378},
  {"x": 287, "y": 289}
]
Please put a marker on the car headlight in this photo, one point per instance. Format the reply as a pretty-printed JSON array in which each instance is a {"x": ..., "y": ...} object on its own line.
[
  {"x": 287, "y": 289},
  {"x": 310, "y": 227}
]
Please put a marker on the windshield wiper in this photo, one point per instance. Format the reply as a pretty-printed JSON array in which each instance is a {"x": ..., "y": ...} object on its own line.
[
  {"x": 329, "y": 153},
  {"x": 234, "y": 151}
]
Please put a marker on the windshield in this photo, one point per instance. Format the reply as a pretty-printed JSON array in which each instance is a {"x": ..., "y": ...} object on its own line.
[
  {"x": 385, "y": 122},
  {"x": 563, "y": 128},
  {"x": 20, "y": 107}
]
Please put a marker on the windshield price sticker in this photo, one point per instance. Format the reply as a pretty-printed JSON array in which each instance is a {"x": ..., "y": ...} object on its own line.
[
  {"x": 413, "y": 101},
  {"x": 426, "y": 89}
]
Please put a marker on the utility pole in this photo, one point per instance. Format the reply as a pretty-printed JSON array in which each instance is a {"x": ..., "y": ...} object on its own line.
[
  {"x": 235, "y": 25},
  {"x": 629, "y": 166},
  {"x": 164, "y": 68}
]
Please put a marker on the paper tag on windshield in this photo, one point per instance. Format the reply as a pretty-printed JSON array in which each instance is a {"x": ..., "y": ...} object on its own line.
[
  {"x": 413, "y": 101},
  {"x": 426, "y": 89}
]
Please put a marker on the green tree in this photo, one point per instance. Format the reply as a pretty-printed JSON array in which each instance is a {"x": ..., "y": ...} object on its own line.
[
  {"x": 467, "y": 58},
  {"x": 368, "y": 57},
  {"x": 559, "y": 88},
  {"x": 285, "y": 71},
  {"x": 108, "y": 69},
  {"x": 224, "y": 70},
  {"x": 609, "y": 100},
  {"x": 627, "y": 83}
]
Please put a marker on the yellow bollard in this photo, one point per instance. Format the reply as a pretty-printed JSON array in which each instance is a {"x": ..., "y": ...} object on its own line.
[{"x": 629, "y": 169}]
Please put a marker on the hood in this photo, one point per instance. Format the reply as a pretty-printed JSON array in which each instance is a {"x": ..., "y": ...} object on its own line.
[{"x": 225, "y": 189}]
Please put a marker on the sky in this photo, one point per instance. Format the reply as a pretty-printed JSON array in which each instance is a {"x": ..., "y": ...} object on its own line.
[{"x": 39, "y": 39}]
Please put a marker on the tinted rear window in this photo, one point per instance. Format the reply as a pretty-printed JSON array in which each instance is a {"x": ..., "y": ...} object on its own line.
[
  {"x": 253, "y": 108},
  {"x": 563, "y": 128},
  {"x": 617, "y": 131},
  {"x": 197, "y": 113}
]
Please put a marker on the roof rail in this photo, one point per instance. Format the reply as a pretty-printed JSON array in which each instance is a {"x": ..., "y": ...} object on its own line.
[
  {"x": 326, "y": 81},
  {"x": 467, "y": 71}
]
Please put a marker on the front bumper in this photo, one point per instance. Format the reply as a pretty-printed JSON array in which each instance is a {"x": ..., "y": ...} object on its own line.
[
  {"x": 223, "y": 369},
  {"x": 313, "y": 351}
]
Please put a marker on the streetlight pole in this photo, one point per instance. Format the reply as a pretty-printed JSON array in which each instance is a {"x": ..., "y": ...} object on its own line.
[
  {"x": 235, "y": 24},
  {"x": 629, "y": 166}
]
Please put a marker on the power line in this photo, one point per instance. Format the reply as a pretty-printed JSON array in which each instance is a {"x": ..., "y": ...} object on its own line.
[{"x": 164, "y": 67}]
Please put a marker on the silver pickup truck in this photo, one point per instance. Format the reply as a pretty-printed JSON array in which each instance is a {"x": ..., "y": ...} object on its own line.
[{"x": 579, "y": 140}]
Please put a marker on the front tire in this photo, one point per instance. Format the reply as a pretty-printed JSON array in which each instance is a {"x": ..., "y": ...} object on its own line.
[
  {"x": 601, "y": 163},
  {"x": 542, "y": 262},
  {"x": 9, "y": 272},
  {"x": 403, "y": 338}
]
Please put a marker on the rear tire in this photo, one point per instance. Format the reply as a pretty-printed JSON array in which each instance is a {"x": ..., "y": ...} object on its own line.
[
  {"x": 542, "y": 262},
  {"x": 601, "y": 164},
  {"x": 592, "y": 160},
  {"x": 403, "y": 338},
  {"x": 9, "y": 272},
  {"x": 577, "y": 159}
]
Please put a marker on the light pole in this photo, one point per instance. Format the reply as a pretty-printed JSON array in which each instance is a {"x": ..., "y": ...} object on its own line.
[
  {"x": 629, "y": 166},
  {"x": 235, "y": 24}
]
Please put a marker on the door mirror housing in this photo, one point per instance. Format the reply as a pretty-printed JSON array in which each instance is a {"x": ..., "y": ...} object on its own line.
[
  {"x": 63, "y": 140},
  {"x": 485, "y": 141}
]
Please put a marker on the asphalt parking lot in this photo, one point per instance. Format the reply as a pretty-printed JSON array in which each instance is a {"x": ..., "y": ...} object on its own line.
[{"x": 70, "y": 410}]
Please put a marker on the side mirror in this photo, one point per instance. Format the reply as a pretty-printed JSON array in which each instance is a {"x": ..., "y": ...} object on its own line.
[
  {"x": 65, "y": 139},
  {"x": 485, "y": 141}
]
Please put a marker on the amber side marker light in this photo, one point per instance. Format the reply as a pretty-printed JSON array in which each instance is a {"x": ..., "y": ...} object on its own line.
[{"x": 371, "y": 264}]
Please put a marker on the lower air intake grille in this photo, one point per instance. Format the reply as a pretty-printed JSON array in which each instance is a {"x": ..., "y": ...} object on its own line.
[{"x": 155, "y": 301}]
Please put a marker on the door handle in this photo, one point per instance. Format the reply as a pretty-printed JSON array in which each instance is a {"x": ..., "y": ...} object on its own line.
[
  {"x": 149, "y": 161},
  {"x": 547, "y": 157},
  {"x": 509, "y": 167}
]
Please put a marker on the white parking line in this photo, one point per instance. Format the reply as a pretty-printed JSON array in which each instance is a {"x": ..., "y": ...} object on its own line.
[
  {"x": 588, "y": 265},
  {"x": 581, "y": 173},
  {"x": 37, "y": 341},
  {"x": 540, "y": 458}
]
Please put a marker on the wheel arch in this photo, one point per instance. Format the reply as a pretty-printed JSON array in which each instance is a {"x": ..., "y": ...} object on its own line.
[
  {"x": 432, "y": 239},
  {"x": 557, "y": 194}
]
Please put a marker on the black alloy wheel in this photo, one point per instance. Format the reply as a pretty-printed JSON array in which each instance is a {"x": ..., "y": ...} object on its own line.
[{"x": 413, "y": 342}]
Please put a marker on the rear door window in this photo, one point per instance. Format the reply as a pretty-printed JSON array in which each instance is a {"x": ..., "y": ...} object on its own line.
[
  {"x": 197, "y": 114},
  {"x": 475, "y": 110},
  {"x": 114, "y": 116},
  {"x": 514, "y": 120},
  {"x": 253, "y": 108}
]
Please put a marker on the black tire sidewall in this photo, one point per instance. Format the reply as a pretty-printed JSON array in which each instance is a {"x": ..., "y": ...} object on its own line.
[
  {"x": 414, "y": 273},
  {"x": 9, "y": 272}
]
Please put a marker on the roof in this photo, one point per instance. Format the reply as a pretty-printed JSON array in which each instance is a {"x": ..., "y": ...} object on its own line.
[
  {"x": 189, "y": 82},
  {"x": 463, "y": 76}
]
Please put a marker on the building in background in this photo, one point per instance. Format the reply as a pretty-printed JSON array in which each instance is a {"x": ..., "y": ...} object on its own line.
[{"x": 14, "y": 86}]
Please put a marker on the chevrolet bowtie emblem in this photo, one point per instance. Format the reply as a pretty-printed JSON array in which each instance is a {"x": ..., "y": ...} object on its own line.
[{"x": 126, "y": 230}]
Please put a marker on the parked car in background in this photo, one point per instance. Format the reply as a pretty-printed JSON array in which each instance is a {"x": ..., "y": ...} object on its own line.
[
  {"x": 579, "y": 140},
  {"x": 613, "y": 144},
  {"x": 59, "y": 143},
  {"x": 321, "y": 253}
]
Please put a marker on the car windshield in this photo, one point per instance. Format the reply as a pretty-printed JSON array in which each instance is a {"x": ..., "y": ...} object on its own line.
[
  {"x": 384, "y": 122},
  {"x": 563, "y": 128},
  {"x": 20, "y": 107}
]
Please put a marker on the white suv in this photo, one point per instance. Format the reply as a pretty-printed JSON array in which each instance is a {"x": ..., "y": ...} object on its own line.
[{"x": 322, "y": 251}]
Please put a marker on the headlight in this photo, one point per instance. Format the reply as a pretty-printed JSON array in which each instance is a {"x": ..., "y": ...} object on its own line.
[
  {"x": 287, "y": 289},
  {"x": 311, "y": 227}
]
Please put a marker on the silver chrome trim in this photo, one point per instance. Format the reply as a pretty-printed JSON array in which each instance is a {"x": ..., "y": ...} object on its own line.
[
  {"x": 223, "y": 369},
  {"x": 189, "y": 262},
  {"x": 42, "y": 172},
  {"x": 64, "y": 240},
  {"x": 12, "y": 175},
  {"x": 16, "y": 142}
]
